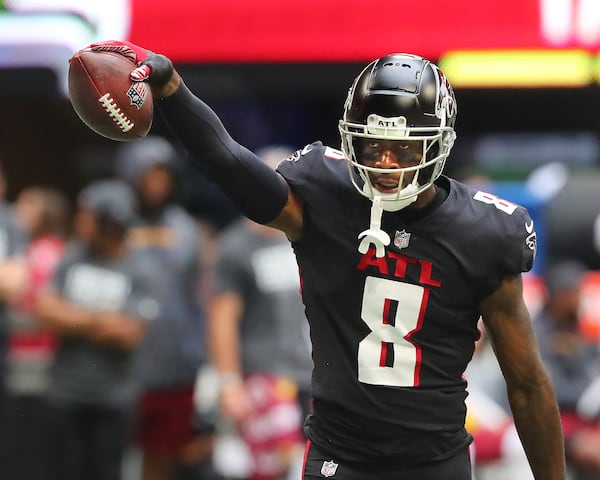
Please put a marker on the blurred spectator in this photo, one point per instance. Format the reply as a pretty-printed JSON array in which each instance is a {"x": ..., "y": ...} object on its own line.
[
  {"x": 175, "y": 442},
  {"x": 98, "y": 304},
  {"x": 12, "y": 275},
  {"x": 259, "y": 341},
  {"x": 573, "y": 365},
  {"x": 43, "y": 213},
  {"x": 12, "y": 280}
]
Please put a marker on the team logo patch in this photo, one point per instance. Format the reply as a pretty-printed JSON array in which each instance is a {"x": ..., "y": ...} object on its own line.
[
  {"x": 137, "y": 93},
  {"x": 294, "y": 157},
  {"x": 329, "y": 468},
  {"x": 531, "y": 242},
  {"x": 446, "y": 102},
  {"x": 401, "y": 239}
]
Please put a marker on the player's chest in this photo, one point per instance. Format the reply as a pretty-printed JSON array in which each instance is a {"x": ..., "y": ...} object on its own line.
[{"x": 413, "y": 255}]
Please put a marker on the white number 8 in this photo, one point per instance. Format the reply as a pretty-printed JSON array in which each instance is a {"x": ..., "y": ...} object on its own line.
[{"x": 393, "y": 311}]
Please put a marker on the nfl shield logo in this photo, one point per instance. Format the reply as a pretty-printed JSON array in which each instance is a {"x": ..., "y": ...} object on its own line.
[
  {"x": 137, "y": 93},
  {"x": 401, "y": 239},
  {"x": 328, "y": 469}
]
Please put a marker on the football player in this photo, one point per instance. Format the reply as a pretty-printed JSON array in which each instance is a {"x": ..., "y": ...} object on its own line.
[{"x": 398, "y": 262}]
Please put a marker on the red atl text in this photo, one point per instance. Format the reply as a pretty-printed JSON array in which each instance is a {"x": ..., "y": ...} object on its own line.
[{"x": 396, "y": 264}]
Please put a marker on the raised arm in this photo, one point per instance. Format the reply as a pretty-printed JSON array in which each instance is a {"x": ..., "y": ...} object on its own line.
[
  {"x": 529, "y": 388},
  {"x": 259, "y": 192}
]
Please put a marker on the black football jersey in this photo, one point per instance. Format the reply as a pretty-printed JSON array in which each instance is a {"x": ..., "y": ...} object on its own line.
[{"x": 392, "y": 336}]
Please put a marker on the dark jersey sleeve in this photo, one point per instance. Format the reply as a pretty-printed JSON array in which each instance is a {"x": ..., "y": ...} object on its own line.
[
  {"x": 523, "y": 244},
  {"x": 252, "y": 185},
  {"x": 296, "y": 168},
  {"x": 494, "y": 237},
  {"x": 310, "y": 174},
  {"x": 513, "y": 227}
]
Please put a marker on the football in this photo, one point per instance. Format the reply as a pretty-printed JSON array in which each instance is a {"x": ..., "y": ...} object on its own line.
[{"x": 106, "y": 99}]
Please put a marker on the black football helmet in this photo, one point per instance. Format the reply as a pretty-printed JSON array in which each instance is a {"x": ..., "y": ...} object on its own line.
[{"x": 399, "y": 97}]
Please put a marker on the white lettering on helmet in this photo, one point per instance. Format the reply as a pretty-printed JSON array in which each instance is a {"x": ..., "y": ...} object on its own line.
[{"x": 389, "y": 127}]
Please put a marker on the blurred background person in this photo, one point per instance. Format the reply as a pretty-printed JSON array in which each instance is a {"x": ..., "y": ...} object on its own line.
[
  {"x": 13, "y": 241},
  {"x": 12, "y": 281},
  {"x": 175, "y": 442},
  {"x": 98, "y": 304},
  {"x": 573, "y": 364},
  {"x": 259, "y": 341},
  {"x": 43, "y": 214}
]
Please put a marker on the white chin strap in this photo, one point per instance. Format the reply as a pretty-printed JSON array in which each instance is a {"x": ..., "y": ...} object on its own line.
[
  {"x": 392, "y": 204},
  {"x": 374, "y": 235}
]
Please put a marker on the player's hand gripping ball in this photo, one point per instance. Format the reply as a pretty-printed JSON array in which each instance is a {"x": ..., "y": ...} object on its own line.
[{"x": 105, "y": 97}]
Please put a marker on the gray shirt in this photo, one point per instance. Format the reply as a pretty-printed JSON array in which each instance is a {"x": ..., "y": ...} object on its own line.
[
  {"x": 12, "y": 243},
  {"x": 262, "y": 270},
  {"x": 172, "y": 350},
  {"x": 572, "y": 369},
  {"x": 85, "y": 372}
]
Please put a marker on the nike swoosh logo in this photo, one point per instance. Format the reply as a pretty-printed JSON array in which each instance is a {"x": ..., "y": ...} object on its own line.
[
  {"x": 306, "y": 149},
  {"x": 529, "y": 227}
]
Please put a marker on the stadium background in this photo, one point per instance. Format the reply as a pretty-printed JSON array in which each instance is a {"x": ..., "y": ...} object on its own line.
[{"x": 526, "y": 75}]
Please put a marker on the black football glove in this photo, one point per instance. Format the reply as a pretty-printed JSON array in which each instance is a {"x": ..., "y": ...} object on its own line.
[{"x": 153, "y": 68}]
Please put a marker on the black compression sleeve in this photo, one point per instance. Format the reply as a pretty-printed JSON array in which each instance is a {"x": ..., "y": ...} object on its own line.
[{"x": 257, "y": 190}]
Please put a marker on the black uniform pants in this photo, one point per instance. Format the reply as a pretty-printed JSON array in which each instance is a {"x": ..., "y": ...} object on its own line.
[{"x": 319, "y": 465}]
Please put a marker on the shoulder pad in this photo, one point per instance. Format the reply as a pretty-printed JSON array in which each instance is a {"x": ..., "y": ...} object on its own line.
[{"x": 514, "y": 225}]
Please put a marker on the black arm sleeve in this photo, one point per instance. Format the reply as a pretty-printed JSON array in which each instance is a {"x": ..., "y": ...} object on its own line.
[{"x": 258, "y": 191}]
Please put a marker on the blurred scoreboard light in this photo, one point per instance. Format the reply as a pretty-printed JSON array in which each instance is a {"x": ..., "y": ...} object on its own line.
[
  {"x": 500, "y": 43},
  {"x": 520, "y": 68}
]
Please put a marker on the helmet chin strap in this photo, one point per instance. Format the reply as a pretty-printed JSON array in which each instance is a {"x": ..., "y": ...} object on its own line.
[
  {"x": 374, "y": 235},
  {"x": 392, "y": 204}
]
